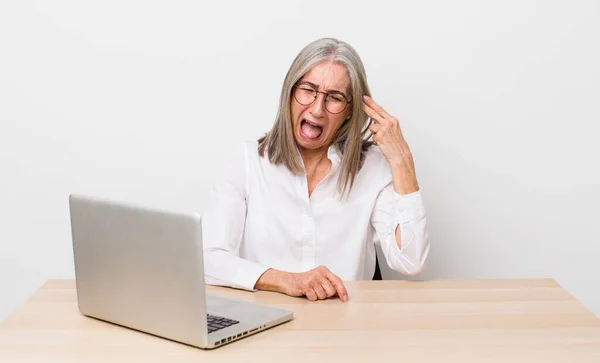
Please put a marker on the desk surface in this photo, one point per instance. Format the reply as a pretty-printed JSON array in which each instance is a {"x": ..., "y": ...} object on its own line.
[{"x": 384, "y": 321}]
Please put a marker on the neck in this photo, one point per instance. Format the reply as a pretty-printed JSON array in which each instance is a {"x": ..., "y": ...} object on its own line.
[{"x": 312, "y": 158}]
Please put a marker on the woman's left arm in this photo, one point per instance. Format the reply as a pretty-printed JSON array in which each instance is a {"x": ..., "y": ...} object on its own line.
[
  {"x": 405, "y": 224},
  {"x": 388, "y": 136}
]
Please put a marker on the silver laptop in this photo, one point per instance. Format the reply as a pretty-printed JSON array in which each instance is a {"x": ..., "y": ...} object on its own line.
[{"x": 143, "y": 268}]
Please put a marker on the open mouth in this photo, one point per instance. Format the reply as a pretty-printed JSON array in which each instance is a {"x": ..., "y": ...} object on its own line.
[{"x": 310, "y": 130}]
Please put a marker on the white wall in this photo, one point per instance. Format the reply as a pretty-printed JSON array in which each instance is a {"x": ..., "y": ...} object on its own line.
[{"x": 141, "y": 100}]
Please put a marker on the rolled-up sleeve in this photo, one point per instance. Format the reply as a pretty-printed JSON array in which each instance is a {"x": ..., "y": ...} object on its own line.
[
  {"x": 407, "y": 211},
  {"x": 223, "y": 228}
]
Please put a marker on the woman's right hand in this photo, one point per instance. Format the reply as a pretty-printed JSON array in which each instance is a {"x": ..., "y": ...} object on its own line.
[{"x": 316, "y": 284}]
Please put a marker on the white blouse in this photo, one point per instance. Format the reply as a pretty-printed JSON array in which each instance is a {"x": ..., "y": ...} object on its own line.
[{"x": 260, "y": 217}]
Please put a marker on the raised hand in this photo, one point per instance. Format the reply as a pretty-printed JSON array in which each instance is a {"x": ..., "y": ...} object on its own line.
[{"x": 388, "y": 136}]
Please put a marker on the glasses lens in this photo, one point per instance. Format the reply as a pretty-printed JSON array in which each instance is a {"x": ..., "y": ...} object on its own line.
[
  {"x": 335, "y": 103},
  {"x": 305, "y": 95}
]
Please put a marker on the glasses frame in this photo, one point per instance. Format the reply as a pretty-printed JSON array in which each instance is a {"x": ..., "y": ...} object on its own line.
[{"x": 317, "y": 95}]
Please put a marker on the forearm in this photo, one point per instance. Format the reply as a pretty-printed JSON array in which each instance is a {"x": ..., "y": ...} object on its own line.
[
  {"x": 403, "y": 179},
  {"x": 402, "y": 227},
  {"x": 410, "y": 235},
  {"x": 404, "y": 183}
]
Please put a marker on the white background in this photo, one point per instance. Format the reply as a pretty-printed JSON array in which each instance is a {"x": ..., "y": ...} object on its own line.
[{"x": 141, "y": 101}]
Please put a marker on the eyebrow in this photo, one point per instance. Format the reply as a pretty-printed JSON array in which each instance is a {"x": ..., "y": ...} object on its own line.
[{"x": 328, "y": 90}]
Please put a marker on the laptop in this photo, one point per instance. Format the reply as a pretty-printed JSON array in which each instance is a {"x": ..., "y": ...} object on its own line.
[{"x": 143, "y": 269}]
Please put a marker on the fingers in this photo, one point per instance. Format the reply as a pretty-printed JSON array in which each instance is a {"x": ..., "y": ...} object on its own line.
[
  {"x": 385, "y": 127},
  {"x": 311, "y": 294},
  {"x": 372, "y": 105},
  {"x": 320, "y": 284},
  {"x": 374, "y": 128},
  {"x": 320, "y": 291},
  {"x": 312, "y": 286},
  {"x": 328, "y": 287},
  {"x": 338, "y": 285},
  {"x": 376, "y": 117}
]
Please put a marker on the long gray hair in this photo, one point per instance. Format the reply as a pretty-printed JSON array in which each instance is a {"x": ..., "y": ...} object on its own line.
[{"x": 351, "y": 141}]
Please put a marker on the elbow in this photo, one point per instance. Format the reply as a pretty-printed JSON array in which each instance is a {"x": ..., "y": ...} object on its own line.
[
  {"x": 413, "y": 270},
  {"x": 407, "y": 266},
  {"x": 419, "y": 266},
  {"x": 411, "y": 261}
]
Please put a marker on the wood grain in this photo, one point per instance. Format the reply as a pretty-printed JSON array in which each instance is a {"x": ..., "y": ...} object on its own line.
[{"x": 521, "y": 320}]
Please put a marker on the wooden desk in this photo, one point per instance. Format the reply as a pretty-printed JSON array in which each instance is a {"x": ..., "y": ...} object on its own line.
[{"x": 385, "y": 321}]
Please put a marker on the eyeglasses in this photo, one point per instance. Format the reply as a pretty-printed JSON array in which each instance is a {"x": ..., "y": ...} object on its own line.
[{"x": 335, "y": 102}]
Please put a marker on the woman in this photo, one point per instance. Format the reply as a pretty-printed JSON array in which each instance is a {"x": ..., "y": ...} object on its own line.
[{"x": 301, "y": 210}]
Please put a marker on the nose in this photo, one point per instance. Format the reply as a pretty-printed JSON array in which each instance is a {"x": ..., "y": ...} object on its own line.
[{"x": 318, "y": 107}]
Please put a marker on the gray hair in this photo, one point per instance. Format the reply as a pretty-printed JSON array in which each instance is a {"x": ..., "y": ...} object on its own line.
[{"x": 351, "y": 140}]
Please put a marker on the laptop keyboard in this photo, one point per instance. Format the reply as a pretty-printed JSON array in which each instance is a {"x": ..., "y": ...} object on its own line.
[{"x": 217, "y": 322}]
